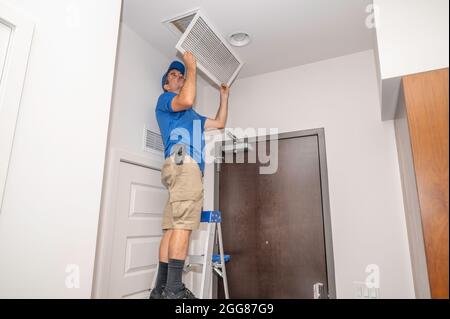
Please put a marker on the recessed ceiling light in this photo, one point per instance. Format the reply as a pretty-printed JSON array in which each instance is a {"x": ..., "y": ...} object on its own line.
[{"x": 239, "y": 39}]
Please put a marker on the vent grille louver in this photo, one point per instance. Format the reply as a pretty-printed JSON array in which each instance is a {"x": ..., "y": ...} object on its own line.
[
  {"x": 153, "y": 141},
  {"x": 214, "y": 57}
]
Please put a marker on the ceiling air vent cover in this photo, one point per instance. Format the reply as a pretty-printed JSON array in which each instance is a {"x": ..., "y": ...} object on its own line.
[{"x": 214, "y": 56}]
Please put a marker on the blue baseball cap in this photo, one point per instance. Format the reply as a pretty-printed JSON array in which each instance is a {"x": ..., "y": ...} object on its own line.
[{"x": 175, "y": 65}]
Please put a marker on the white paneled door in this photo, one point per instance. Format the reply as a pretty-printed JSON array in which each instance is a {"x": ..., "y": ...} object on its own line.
[
  {"x": 16, "y": 32},
  {"x": 5, "y": 36},
  {"x": 137, "y": 231}
]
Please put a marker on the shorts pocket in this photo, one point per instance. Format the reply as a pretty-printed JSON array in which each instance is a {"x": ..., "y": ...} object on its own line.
[
  {"x": 168, "y": 174},
  {"x": 188, "y": 183}
]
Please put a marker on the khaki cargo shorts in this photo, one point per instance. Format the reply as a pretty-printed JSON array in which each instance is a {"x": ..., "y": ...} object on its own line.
[{"x": 185, "y": 185}]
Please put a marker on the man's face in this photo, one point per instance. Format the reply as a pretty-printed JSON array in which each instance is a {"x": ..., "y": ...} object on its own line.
[{"x": 175, "y": 81}]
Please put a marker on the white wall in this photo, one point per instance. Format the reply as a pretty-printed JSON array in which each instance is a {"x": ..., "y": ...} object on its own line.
[
  {"x": 340, "y": 95},
  {"x": 412, "y": 36},
  {"x": 137, "y": 87},
  {"x": 52, "y": 197}
]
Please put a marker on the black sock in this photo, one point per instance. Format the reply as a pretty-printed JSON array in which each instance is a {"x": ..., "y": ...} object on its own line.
[
  {"x": 174, "y": 275},
  {"x": 161, "y": 279}
]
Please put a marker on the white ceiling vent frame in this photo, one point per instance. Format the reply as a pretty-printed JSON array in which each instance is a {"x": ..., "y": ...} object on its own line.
[
  {"x": 221, "y": 64},
  {"x": 173, "y": 24}
]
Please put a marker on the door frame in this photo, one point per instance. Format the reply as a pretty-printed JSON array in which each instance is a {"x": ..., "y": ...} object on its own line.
[
  {"x": 320, "y": 133},
  {"x": 13, "y": 79}
]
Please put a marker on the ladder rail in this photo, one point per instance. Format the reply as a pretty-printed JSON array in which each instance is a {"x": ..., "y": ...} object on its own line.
[
  {"x": 222, "y": 261},
  {"x": 207, "y": 262}
]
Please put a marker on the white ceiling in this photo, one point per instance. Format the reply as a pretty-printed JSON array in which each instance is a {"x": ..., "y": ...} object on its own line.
[{"x": 285, "y": 33}]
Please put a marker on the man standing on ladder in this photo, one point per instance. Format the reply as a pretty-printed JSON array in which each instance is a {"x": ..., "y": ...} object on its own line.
[{"x": 182, "y": 132}]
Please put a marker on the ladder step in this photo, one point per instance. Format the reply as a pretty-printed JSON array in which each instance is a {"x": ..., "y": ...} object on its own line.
[
  {"x": 198, "y": 259},
  {"x": 216, "y": 258},
  {"x": 211, "y": 216}
]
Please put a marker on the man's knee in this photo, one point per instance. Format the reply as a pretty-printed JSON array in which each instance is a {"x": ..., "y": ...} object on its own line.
[
  {"x": 167, "y": 232},
  {"x": 182, "y": 233}
]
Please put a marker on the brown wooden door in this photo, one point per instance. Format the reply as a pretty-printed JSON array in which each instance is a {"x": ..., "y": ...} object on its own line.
[
  {"x": 273, "y": 224},
  {"x": 426, "y": 100}
]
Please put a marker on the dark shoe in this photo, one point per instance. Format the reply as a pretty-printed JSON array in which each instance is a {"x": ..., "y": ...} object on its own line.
[
  {"x": 182, "y": 294},
  {"x": 156, "y": 294}
]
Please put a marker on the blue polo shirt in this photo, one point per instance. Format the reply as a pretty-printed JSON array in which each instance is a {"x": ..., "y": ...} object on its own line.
[{"x": 184, "y": 127}]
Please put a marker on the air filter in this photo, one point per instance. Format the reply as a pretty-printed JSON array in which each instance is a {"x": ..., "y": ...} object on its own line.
[{"x": 215, "y": 58}]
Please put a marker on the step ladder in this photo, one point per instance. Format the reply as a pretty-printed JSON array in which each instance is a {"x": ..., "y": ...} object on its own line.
[{"x": 208, "y": 260}]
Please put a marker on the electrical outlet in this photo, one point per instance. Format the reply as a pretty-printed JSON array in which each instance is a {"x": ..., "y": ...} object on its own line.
[{"x": 364, "y": 292}]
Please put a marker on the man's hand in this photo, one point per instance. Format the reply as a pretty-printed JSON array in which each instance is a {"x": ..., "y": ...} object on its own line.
[
  {"x": 221, "y": 118},
  {"x": 224, "y": 91},
  {"x": 189, "y": 60}
]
